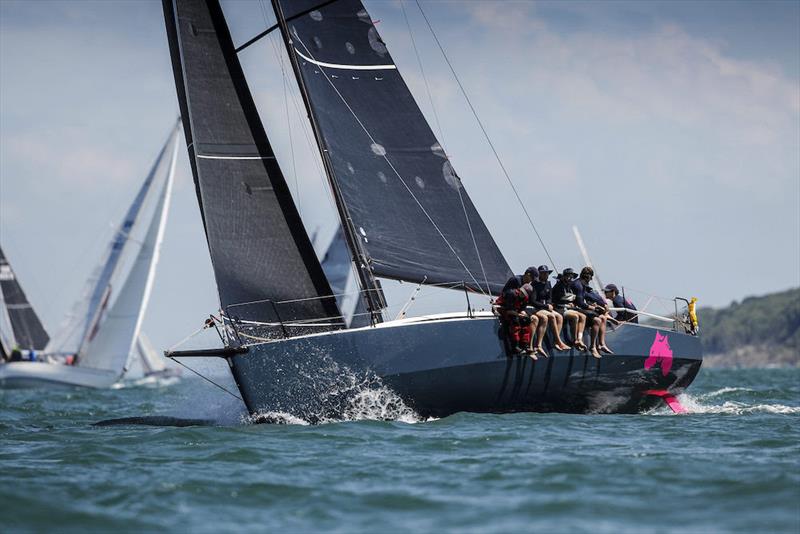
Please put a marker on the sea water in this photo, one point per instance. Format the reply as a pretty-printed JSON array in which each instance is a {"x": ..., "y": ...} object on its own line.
[{"x": 731, "y": 465}]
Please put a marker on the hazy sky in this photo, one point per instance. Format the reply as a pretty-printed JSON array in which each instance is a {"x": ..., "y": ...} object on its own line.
[{"x": 669, "y": 132}]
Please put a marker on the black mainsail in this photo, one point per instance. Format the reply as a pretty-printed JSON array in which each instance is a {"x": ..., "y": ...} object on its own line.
[
  {"x": 404, "y": 202},
  {"x": 27, "y": 331},
  {"x": 260, "y": 251}
]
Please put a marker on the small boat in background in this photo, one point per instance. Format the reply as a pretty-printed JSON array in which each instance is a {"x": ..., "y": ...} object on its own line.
[
  {"x": 101, "y": 334},
  {"x": 153, "y": 363}
]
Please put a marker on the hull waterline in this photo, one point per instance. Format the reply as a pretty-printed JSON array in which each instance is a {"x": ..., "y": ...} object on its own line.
[
  {"x": 18, "y": 375},
  {"x": 446, "y": 365}
]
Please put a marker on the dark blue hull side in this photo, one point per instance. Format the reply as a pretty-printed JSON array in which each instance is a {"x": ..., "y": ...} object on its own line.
[{"x": 440, "y": 367}]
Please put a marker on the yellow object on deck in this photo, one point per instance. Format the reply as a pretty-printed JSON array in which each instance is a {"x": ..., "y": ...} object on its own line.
[{"x": 692, "y": 313}]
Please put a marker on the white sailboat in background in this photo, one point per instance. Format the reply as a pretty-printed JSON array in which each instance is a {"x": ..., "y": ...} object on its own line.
[
  {"x": 153, "y": 363},
  {"x": 99, "y": 337}
]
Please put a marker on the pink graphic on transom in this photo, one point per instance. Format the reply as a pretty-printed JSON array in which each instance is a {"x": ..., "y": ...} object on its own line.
[{"x": 660, "y": 353}]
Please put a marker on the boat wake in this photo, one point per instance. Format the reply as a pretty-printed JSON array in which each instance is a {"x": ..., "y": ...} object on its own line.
[
  {"x": 708, "y": 403},
  {"x": 147, "y": 382}
]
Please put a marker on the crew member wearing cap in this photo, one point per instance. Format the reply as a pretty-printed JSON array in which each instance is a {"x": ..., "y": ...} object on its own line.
[
  {"x": 596, "y": 309},
  {"x": 618, "y": 301},
  {"x": 542, "y": 301},
  {"x": 564, "y": 304}
]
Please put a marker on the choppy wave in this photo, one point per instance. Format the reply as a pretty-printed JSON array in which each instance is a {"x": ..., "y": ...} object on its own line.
[
  {"x": 147, "y": 382},
  {"x": 697, "y": 406},
  {"x": 709, "y": 403},
  {"x": 366, "y": 400}
]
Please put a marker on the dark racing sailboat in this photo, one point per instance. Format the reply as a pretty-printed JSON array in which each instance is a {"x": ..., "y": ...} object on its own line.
[
  {"x": 21, "y": 330},
  {"x": 405, "y": 215}
]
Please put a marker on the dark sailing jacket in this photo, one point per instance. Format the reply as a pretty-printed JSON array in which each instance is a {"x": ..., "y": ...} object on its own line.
[
  {"x": 542, "y": 294},
  {"x": 621, "y": 302},
  {"x": 562, "y": 294},
  {"x": 515, "y": 282}
]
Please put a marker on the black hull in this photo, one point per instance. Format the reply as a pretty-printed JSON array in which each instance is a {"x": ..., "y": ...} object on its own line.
[{"x": 443, "y": 366}]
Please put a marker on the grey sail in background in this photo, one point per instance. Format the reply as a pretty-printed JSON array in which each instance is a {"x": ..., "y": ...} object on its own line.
[
  {"x": 259, "y": 248},
  {"x": 26, "y": 330},
  {"x": 407, "y": 204},
  {"x": 338, "y": 266}
]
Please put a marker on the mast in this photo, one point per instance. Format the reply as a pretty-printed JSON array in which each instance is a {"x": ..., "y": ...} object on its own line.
[{"x": 373, "y": 294}]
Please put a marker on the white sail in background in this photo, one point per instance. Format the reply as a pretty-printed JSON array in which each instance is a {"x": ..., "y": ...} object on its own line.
[
  {"x": 596, "y": 283},
  {"x": 148, "y": 357},
  {"x": 119, "y": 328}
]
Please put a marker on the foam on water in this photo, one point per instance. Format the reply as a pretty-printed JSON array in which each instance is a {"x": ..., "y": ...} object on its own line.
[
  {"x": 147, "y": 382},
  {"x": 698, "y": 404},
  {"x": 366, "y": 400}
]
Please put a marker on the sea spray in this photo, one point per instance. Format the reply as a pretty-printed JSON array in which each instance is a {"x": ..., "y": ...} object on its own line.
[{"x": 709, "y": 403}]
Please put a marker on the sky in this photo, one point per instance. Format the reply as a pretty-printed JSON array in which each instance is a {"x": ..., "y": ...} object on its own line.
[{"x": 667, "y": 132}]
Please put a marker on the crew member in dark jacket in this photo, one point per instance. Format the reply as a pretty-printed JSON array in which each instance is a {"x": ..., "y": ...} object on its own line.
[
  {"x": 594, "y": 312},
  {"x": 518, "y": 280},
  {"x": 542, "y": 301},
  {"x": 564, "y": 303},
  {"x": 618, "y": 301}
]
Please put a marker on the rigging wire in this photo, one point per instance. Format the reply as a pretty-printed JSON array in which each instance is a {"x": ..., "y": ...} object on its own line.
[
  {"x": 226, "y": 390},
  {"x": 286, "y": 106},
  {"x": 394, "y": 169},
  {"x": 441, "y": 136},
  {"x": 486, "y": 135}
]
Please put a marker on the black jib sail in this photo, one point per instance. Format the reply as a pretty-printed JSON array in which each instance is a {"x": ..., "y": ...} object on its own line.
[
  {"x": 261, "y": 253},
  {"x": 26, "y": 328},
  {"x": 407, "y": 205}
]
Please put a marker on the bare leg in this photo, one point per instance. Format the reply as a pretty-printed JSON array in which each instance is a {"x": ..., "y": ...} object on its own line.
[
  {"x": 581, "y": 328},
  {"x": 602, "y": 343},
  {"x": 574, "y": 322},
  {"x": 556, "y": 324},
  {"x": 593, "y": 334},
  {"x": 541, "y": 331},
  {"x": 533, "y": 327}
]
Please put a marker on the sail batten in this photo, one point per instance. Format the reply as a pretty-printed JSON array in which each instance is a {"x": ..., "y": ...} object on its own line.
[
  {"x": 259, "y": 248},
  {"x": 407, "y": 205}
]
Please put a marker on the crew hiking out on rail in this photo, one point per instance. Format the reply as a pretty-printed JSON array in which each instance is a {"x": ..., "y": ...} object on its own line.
[{"x": 529, "y": 304}]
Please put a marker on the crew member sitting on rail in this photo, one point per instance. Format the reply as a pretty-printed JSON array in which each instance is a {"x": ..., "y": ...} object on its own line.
[
  {"x": 542, "y": 301},
  {"x": 618, "y": 301},
  {"x": 564, "y": 304},
  {"x": 517, "y": 322},
  {"x": 600, "y": 308},
  {"x": 520, "y": 280},
  {"x": 587, "y": 309}
]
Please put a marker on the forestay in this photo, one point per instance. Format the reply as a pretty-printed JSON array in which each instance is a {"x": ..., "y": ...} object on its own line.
[
  {"x": 19, "y": 324},
  {"x": 259, "y": 248},
  {"x": 407, "y": 204}
]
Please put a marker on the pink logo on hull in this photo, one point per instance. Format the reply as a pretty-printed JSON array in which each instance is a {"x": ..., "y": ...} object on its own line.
[{"x": 660, "y": 353}]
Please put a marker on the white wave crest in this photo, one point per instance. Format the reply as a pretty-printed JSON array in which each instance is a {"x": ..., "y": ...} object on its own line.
[
  {"x": 147, "y": 382},
  {"x": 724, "y": 391},
  {"x": 696, "y": 406},
  {"x": 274, "y": 418},
  {"x": 379, "y": 403}
]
